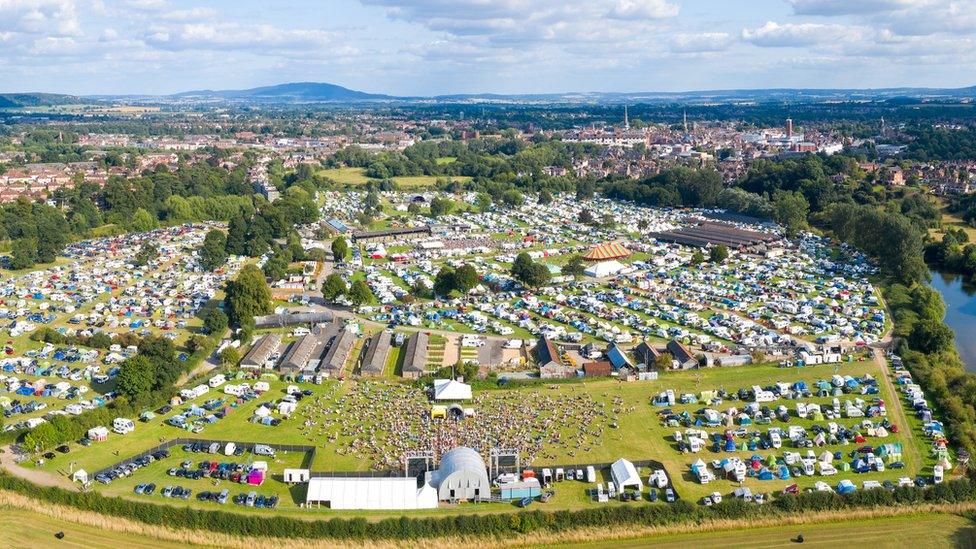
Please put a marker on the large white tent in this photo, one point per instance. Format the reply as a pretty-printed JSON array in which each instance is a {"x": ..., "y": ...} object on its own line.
[
  {"x": 604, "y": 268},
  {"x": 370, "y": 493},
  {"x": 449, "y": 389},
  {"x": 625, "y": 474}
]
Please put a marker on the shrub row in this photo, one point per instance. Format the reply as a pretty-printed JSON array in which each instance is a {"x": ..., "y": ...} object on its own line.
[{"x": 495, "y": 524}]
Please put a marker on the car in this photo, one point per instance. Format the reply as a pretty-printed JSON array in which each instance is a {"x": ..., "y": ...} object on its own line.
[
  {"x": 525, "y": 502},
  {"x": 239, "y": 499},
  {"x": 251, "y": 497},
  {"x": 707, "y": 501},
  {"x": 167, "y": 492},
  {"x": 669, "y": 495},
  {"x": 259, "y": 502},
  {"x": 222, "y": 497},
  {"x": 272, "y": 502},
  {"x": 203, "y": 496},
  {"x": 579, "y": 475},
  {"x": 264, "y": 450},
  {"x": 139, "y": 489},
  {"x": 186, "y": 464},
  {"x": 897, "y": 465},
  {"x": 150, "y": 488},
  {"x": 759, "y": 499},
  {"x": 716, "y": 497},
  {"x": 652, "y": 494},
  {"x": 63, "y": 449},
  {"x": 49, "y": 455}
]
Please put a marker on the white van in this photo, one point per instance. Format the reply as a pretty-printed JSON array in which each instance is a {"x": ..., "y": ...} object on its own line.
[
  {"x": 229, "y": 449},
  {"x": 590, "y": 474}
]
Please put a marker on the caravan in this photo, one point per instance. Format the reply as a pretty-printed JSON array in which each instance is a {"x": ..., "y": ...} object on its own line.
[{"x": 123, "y": 426}]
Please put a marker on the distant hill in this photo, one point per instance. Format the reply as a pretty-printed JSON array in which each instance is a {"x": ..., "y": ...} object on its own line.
[
  {"x": 14, "y": 100},
  {"x": 292, "y": 92}
]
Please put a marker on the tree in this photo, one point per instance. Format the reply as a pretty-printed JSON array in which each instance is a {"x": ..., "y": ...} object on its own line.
[
  {"x": 512, "y": 198},
  {"x": 421, "y": 290},
  {"x": 162, "y": 355},
  {"x": 237, "y": 236},
  {"x": 142, "y": 221},
  {"x": 216, "y": 322},
  {"x": 483, "y": 202},
  {"x": 147, "y": 252},
  {"x": 213, "y": 253},
  {"x": 528, "y": 272},
  {"x": 697, "y": 258},
  {"x": 931, "y": 336},
  {"x": 574, "y": 267},
  {"x": 790, "y": 209},
  {"x": 545, "y": 197},
  {"x": 586, "y": 217},
  {"x": 247, "y": 296},
  {"x": 229, "y": 356},
  {"x": 23, "y": 253},
  {"x": 414, "y": 208},
  {"x": 276, "y": 268},
  {"x": 360, "y": 293},
  {"x": 333, "y": 287},
  {"x": 718, "y": 254},
  {"x": 137, "y": 376},
  {"x": 445, "y": 282},
  {"x": 340, "y": 249},
  {"x": 440, "y": 206},
  {"x": 663, "y": 361},
  {"x": 465, "y": 278},
  {"x": 52, "y": 232}
]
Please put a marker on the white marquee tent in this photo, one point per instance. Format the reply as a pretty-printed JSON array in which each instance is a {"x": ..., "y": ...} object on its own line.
[
  {"x": 625, "y": 474},
  {"x": 370, "y": 493},
  {"x": 449, "y": 389}
]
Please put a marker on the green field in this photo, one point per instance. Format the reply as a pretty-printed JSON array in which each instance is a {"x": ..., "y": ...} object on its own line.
[
  {"x": 627, "y": 427},
  {"x": 929, "y": 530},
  {"x": 355, "y": 177},
  {"x": 23, "y": 528}
]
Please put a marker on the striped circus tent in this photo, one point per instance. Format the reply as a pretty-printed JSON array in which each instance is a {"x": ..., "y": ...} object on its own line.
[{"x": 606, "y": 251}]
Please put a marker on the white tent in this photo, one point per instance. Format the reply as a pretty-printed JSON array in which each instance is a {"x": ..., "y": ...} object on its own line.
[
  {"x": 625, "y": 474},
  {"x": 80, "y": 476},
  {"x": 449, "y": 389},
  {"x": 604, "y": 268},
  {"x": 370, "y": 493}
]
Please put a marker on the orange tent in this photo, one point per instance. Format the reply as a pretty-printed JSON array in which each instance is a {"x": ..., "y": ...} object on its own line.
[{"x": 607, "y": 251}]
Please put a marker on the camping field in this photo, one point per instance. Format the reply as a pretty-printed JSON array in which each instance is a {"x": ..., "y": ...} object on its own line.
[{"x": 624, "y": 424}]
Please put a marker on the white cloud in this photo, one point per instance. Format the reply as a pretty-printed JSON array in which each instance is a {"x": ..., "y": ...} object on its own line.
[
  {"x": 703, "y": 42},
  {"x": 644, "y": 9},
  {"x": 777, "y": 35}
]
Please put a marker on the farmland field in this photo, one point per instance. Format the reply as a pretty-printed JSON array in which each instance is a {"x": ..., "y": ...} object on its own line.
[{"x": 923, "y": 531}]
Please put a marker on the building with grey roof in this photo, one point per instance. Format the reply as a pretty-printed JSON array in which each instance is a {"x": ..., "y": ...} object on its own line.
[
  {"x": 378, "y": 352},
  {"x": 260, "y": 353},
  {"x": 335, "y": 359},
  {"x": 415, "y": 356}
]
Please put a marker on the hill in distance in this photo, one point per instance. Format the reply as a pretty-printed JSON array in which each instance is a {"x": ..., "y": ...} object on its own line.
[{"x": 296, "y": 91}]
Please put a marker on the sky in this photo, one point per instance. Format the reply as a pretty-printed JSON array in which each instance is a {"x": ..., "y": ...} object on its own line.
[{"x": 429, "y": 47}]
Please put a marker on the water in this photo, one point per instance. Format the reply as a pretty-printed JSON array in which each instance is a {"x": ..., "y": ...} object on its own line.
[{"x": 960, "y": 300}]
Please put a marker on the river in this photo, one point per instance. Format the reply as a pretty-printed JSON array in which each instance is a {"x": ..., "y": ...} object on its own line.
[{"x": 960, "y": 300}]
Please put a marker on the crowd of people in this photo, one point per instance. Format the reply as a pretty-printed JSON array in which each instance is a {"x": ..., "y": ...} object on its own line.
[{"x": 379, "y": 422}]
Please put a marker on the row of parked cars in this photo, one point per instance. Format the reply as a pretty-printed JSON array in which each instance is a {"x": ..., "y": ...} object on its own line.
[
  {"x": 127, "y": 469},
  {"x": 253, "y": 499}
]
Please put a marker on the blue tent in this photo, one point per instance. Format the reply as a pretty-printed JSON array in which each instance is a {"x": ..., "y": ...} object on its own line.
[
  {"x": 784, "y": 472},
  {"x": 765, "y": 474},
  {"x": 729, "y": 445},
  {"x": 846, "y": 487}
]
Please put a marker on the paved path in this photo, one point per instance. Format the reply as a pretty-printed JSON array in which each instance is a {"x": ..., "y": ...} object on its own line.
[{"x": 41, "y": 478}]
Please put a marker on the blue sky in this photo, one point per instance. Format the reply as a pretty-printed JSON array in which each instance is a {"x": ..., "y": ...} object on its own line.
[{"x": 428, "y": 47}]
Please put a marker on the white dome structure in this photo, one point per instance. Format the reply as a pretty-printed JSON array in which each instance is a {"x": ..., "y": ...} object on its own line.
[{"x": 461, "y": 476}]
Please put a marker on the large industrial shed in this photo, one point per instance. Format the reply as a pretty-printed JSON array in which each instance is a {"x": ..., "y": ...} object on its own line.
[
  {"x": 415, "y": 356},
  {"x": 260, "y": 353},
  {"x": 376, "y": 493},
  {"x": 374, "y": 362},
  {"x": 461, "y": 476}
]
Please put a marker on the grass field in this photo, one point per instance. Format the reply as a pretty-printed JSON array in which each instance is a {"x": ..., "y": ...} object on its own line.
[
  {"x": 355, "y": 177},
  {"x": 637, "y": 435},
  {"x": 922, "y": 531},
  {"x": 22, "y": 528}
]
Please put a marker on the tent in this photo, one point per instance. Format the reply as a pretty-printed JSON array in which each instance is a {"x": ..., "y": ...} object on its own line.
[
  {"x": 846, "y": 487},
  {"x": 449, "y": 389},
  {"x": 80, "y": 476},
  {"x": 604, "y": 268},
  {"x": 625, "y": 474}
]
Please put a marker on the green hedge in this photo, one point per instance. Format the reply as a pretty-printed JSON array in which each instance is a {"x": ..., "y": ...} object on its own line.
[{"x": 496, "y": 524}]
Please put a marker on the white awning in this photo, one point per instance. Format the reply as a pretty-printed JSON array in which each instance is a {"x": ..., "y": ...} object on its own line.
[
  {"x": 449, "y": 389},
  {"x": 371, "y": 493}
]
